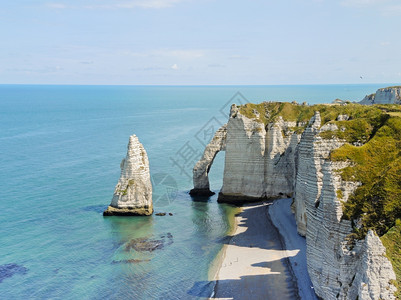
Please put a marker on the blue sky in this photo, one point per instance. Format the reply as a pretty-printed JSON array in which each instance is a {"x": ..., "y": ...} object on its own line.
[{"x": 200, "y": 41}]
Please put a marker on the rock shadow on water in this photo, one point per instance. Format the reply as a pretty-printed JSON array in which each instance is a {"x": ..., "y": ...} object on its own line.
[
  {"x": 9, "y": 270},
  {"x": 95, "y": 208},
  {"x": 201, "y": 198},
  {"x": 145, "y": 244}
]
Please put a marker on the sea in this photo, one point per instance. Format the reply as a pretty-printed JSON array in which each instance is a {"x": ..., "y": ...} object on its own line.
[{"x": 60, "y": 153}]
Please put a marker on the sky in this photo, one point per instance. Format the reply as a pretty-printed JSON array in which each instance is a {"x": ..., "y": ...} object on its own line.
[{"x": 200, "y": 42}]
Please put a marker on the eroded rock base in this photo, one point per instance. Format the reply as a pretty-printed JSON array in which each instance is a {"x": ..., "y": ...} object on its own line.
[{"x": 128, "y": 211}]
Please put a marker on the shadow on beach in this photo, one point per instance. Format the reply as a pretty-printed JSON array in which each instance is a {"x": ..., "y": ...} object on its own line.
[{"x": 268, "y": 286}]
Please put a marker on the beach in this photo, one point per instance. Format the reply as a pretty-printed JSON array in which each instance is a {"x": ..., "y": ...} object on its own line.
[{"x": 265, "y": 257}]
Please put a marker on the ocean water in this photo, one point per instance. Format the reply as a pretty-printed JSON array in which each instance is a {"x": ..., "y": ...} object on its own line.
[{"x": 60, "y": 151}]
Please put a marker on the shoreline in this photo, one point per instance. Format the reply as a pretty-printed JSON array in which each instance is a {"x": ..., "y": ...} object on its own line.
[
  {"x": 283, "y": 219},
  {"x": 254, "y": 261}
]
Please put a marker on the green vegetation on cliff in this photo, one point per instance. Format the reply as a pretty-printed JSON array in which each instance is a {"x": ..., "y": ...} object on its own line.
[
  {"x": 392, "y": 241},
  {"x": 373, "y": 151}
]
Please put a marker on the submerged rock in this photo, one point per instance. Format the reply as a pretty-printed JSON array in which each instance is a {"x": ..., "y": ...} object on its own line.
[
  {"x": 129, "y": 261},
  {"x": 9, "y": 270},
  {"x": 133, "y": 192},
  {"x": 145, "y": 244}
]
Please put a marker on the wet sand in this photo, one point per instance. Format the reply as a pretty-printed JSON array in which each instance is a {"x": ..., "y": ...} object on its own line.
[{"x": 255, "y": 264}]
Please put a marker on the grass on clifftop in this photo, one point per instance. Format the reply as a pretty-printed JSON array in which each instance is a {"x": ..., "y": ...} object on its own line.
[{"x": 392, "y": 241}]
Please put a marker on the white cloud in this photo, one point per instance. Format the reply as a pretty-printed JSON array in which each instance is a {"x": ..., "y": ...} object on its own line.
[
  {"x": 236, "y": 56},
  {"x": 130, "y": 4},
  {"x": 174, "y": 67},
  {"x": 56, "y": 5},
  {"x": 148, "y": 3},
  {"x": 186, "y": 54},
  {"x": 361, "y": 3},
  {"x": 216, "y": 65},
  {"x": 392, "y": 10},
  {"x": 180, "y": 53}
]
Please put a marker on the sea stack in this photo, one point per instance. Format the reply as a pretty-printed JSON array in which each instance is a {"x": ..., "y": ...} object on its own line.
[{"x": 133, "y": 192}]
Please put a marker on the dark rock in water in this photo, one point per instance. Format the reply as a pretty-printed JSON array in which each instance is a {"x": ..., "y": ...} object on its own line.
[
  {"x": 160, "y": 214},
  {"x": 129, "y": 261},
  {"x": 9, "y": 270},
  {"x": 144, "y": 244},
  {"x": 170, "y": 214},
  {"x": 149, "y": 245}
]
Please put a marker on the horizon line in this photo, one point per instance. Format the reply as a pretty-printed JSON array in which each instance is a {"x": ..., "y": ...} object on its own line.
[{"x": 194, "y": 85}]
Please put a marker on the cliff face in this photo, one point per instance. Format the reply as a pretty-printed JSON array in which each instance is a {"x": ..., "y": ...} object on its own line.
[
  {"x": 274, "y": 159},
  {"x": 389, "y": 95},
  {"x": 260, "y": 161},
  {"x": 337, "y": 270},
  {"x": 133, "y": 192}
]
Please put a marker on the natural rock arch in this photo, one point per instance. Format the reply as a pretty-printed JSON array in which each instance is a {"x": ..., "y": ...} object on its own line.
[{"x": 202, "y": 167}]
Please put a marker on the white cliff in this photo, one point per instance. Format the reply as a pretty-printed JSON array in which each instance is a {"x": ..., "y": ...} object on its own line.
[
  {"x": 269, "y": 161},
  {"x": 202, "y": 167},
  {"x": 389, "y": 95},
  {"x": 260, "y": 160},
  {"x": 133, "y": 192},
  {"x": 244, "y": 160},
  {"x": 337, "y": 270}
]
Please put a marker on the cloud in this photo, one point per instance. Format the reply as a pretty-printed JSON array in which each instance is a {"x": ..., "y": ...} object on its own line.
[
  {"x": 56, "y": 5},
  {"x": 361, "y": 3},
  {"x": 156, "y": 4},
  {"x": 216, "y": 66},
  {"x": 174, "y": 67},
  {"x": 180, "y": 53},
  {"x": 236, "y": 56},
  {"x": 39, "y": 70},
  {"x": 130, "y": 4},
  {"x": 186, "y": 54},
  {"x": 392, "y": 10}
]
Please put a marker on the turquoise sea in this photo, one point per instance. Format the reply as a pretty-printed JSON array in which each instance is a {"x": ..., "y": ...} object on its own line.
[{"x": 60, "y": 152}]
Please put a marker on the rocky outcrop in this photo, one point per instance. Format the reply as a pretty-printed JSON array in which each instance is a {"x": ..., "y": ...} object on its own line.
[
  {"x": 389, "y": 95},
  {"x": 133, "y": 192},
  {"x": 260, "y": 160},
  {"x": 202, "y": 167},
  {"x": 273, "y": 160}
]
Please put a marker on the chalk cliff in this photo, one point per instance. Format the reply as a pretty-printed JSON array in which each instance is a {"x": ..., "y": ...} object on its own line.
[
  {"x": 260, "y": 161},
  {"x": 275, "y": 150},
  {"x": 202, "y": 167},
  {"x": 388, "y": 95},
  {"x": 133, "y": 192}
]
